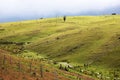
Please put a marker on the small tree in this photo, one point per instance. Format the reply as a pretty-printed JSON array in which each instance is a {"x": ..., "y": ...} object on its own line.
[{"x": 113, "y": 13}]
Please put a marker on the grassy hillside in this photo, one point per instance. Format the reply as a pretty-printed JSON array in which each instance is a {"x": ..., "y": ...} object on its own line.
[
  {"x": 19, "y": 68},
  {"x": 81, "y": 39}
]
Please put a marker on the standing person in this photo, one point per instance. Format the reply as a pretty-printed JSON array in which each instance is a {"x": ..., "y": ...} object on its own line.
[{"x": 64, "y": 18}]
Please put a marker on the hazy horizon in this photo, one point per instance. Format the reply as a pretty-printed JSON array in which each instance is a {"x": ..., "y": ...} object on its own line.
[{"x": 17, "y": 10}]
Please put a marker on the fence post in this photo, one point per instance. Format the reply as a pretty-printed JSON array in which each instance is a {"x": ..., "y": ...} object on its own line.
[
  {"x": 41, "y": 70},
  {"x": 4, "y": 59},
  {"x": 55, "y": 75},
  {"x": 19, "y": 66},
  {"x": 30, "y": 66},
  {"x": 10, "y": 60}
]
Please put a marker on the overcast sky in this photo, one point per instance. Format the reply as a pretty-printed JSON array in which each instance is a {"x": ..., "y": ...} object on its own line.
[{"x": 28, "y": 9}]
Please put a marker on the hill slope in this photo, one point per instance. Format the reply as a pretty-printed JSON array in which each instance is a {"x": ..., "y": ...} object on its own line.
[{"x": 85, "y": 39}]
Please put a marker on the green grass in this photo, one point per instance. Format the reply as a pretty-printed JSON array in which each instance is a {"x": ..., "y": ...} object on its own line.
[{"x": 79, "y": 40}]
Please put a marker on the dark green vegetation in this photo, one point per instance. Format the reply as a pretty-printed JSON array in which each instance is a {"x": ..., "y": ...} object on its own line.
[{"x": 93, "y": 40}]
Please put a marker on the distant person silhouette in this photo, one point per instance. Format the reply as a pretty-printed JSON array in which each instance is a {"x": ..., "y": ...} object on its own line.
[{"x": 64, "y": 18}]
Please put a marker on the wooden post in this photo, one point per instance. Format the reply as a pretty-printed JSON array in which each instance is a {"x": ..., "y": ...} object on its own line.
[
  {"x": 10, "y": 60},
  {"x": 30, "y": 67},
  {"x": 19, "y": 66},
  {"x": 41, "y": 70},
  {"x": 55, "y": 75},
  {"x": 4, "y": 58}
]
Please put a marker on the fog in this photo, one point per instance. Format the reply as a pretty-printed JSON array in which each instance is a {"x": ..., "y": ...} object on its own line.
[{"x": 31, "y": 9}]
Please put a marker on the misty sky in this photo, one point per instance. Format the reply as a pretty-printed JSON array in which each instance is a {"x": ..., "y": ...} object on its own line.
[{"x": 11, "y": 10}]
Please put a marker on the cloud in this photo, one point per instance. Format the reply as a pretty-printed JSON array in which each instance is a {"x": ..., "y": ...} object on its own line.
[{"x": 27, "y": 8}]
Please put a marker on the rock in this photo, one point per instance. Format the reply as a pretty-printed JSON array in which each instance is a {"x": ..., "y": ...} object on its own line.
[
  {"x": 34, "y": 74},
  {"x": 1, "y": 78},
  {"x": 57, "y": 38},
  {"x": 118, "y": 37}
]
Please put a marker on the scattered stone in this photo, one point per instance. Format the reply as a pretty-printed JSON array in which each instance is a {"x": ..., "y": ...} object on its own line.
[
  {"x": 119, "y": 38},
  {"x": 57, "y": 38},
  {"x": 34, "y": 74},
  {"x": 2, "y": 67},
  {"x": 1, "y": 78},
  {"x": 47, "y": 70},
  {"x": 66, "y": 69}
]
